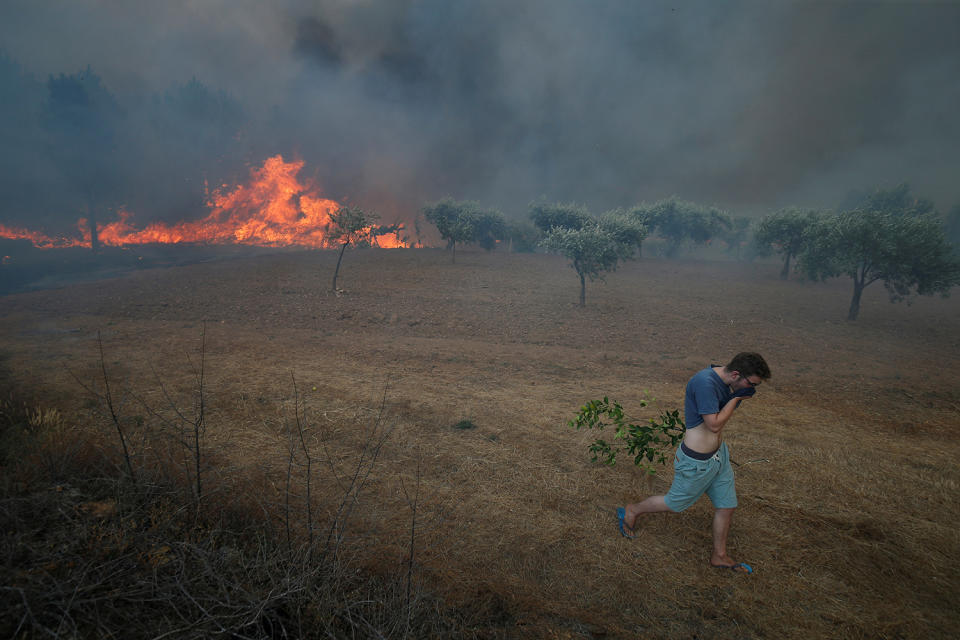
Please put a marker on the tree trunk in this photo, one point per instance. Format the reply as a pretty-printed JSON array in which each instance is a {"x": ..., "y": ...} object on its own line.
[
  {"x": 855, "y": 301},
  {"x": 336, "y": 271},
  {"x": 92, "y": 223},
  {"x": 453, "y": 253},
  {"x": 785, "y": 272},
  {"x": 583, "y": 291}
]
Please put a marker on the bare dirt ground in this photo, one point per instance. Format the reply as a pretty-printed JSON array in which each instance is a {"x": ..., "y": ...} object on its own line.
[{"x": 847, "y": 458}]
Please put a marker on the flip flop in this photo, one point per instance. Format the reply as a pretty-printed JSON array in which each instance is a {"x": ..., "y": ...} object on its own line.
[
  {"x": 734, "y": 567},
  {"x": 621, "y": 514}
]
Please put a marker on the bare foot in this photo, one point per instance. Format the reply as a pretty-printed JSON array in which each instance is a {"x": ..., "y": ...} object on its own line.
[
  {"x": 630, "y": 519},
  {"x": 726, "y": 562}
]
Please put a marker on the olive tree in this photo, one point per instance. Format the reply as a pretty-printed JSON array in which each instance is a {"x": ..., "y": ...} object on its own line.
[
  {"x": 908, "y": 253},
  {"x": 597, "y": 246},
  {"x": 627, "y": 231},
  {"x": 735, "y": 236},
  {"x": 643, "y": 215},
  {"x": 522, "y": 236},
  {"x": 681, "y": 223},
  {"x": 349, "y": 225},
  {"x": 466, "y": 222},
  {"x": 489, "y": 228},
  {"x": 897, "y": 200},
  {"x": 785, "y": 231},
  {"x": 546, "y": 216}
]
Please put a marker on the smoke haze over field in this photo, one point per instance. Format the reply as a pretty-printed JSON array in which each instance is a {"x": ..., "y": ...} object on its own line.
[{"x": 392, "y": 103}]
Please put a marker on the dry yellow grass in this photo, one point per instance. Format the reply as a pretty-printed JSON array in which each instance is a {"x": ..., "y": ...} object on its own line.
[{"x": 847, "y": 478}]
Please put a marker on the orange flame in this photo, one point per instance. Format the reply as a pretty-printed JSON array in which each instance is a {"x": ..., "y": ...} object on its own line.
[
  {"x": 273, "y": 210},
  {"x": 39, "y": 240}
]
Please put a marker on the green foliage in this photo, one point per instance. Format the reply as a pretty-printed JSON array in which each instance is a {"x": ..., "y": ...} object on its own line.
[
  {"x": 592, "y": 251},
  {"x": 785, "y": 232},
  {"x": 681, "y": 223},
  {"x": 465, "y": 223},
  {"x": 898, "y": 200},
  {"x": 904, "y": 249},
  {"x": 594, "y": 245},
  {"x": 951, "y": 227},
  {"x": 649, "y": 443},
  {"x": 351, "y": 225},
  {"x": 642, "y": 214},
  {"x": 546, "y": 216},
  {"x": 735, "y": 236},
  {"x": 489, "y": 228},
  {"x": 522, "y": 236},
  {"x": 627, "y": 231}
]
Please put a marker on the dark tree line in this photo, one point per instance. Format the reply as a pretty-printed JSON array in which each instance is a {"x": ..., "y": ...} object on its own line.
[{"x": 73, "y": 148}]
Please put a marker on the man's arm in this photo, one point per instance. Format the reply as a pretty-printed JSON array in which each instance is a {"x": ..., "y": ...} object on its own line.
[{"x": 716, "y": 421}]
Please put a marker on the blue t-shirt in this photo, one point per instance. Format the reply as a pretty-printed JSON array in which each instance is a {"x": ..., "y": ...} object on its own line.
[{"x": 706, "y": 394}]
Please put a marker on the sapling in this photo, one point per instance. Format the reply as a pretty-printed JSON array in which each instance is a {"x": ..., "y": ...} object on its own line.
[{"x": 649, "y": 443}]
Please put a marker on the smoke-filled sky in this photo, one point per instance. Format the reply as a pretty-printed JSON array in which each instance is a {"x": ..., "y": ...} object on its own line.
[{"x": 750, "y": 105}]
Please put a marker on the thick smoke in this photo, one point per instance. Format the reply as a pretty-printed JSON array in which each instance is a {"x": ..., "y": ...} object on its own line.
[{"x": 392, "y": 103}]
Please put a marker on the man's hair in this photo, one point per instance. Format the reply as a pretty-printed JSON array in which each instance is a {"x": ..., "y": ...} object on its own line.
[{"x": 749, "y": 364}]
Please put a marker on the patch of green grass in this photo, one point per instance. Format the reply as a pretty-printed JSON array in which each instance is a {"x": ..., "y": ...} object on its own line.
[{"x": 464, "y": 425}]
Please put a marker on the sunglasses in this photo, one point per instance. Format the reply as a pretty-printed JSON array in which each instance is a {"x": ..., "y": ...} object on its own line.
[{"x": 748, "y": 381}]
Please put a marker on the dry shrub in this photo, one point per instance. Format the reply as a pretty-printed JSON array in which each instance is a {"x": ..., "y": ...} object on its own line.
[
  {"x": 39, "y": 442},
  {"x": 88, "y": 552}
]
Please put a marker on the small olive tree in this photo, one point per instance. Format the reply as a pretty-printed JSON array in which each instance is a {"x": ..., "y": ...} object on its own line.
[
  {"x": 908, "y": 253},
  {"x": 489, "y": 228},
  {"x": 522, "y": 236},
  {"x": 681, "y": 223},
  {"x": 466, "y": 222},
  {"x": 349, "y": 225},
  {"x": 785, "y": 232},
  {"x": 643, "y": 215},
  {"x": 735, "y": 236},
  {"x": 596, "y": 247}
]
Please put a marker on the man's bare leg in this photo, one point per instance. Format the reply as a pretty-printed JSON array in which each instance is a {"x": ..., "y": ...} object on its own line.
[
  {"x": 721, "y": 527},
  {"x": 653, "y": 504}
]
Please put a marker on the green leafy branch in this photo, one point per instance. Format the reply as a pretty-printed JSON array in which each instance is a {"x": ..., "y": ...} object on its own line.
[{"x": 649, "y": 443}]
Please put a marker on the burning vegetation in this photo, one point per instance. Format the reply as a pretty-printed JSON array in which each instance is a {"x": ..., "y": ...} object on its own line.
[{"x": 274, "y": 208}]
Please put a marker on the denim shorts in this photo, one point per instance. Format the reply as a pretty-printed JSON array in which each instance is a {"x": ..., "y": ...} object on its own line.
[{"x": 692, "y": 478}]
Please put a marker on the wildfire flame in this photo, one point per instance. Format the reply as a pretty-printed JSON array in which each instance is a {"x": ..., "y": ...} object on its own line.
[{"x": 273, "y": 210}]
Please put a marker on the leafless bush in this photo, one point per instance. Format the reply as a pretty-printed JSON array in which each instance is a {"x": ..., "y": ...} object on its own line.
[
  {"x": 95, "y": 556},
  {"x": 187, "y": 427},
  {"x": 108, "y": 401}
]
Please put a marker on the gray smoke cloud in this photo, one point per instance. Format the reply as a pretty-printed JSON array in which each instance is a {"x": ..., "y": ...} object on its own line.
[{"x": 750, "y": 105}]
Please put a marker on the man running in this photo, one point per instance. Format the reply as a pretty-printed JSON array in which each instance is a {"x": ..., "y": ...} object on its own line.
[{"x": 702, "y": 463}]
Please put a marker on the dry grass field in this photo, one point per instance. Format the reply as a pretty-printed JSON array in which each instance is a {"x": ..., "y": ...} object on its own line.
[{"x": 848, "y": 457}]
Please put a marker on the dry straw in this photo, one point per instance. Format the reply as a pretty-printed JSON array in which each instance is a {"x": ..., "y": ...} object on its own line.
[{"x": 847, "y": 471}]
